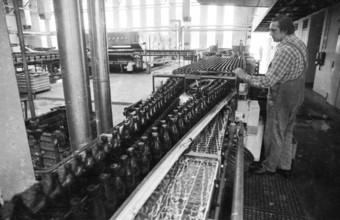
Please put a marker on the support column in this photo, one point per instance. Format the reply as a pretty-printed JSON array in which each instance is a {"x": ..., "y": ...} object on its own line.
[
  {"x": 71, "y": 42},
  {"x": 203, "y": 21},
  {"x": 16, "y": 168},
  {"x": 115, "y": 10},
  {"x": 44, "y": 10},
  {"x": 157, "y": 14},
  {"x": 219, "y": 21},
  {"x": 100, "y": 67},
  {"x": 186, "y": 19},
  {"x": 142, "y": 13},
  {"x": 129, "y": 14},
  {"x": 172, "y": 16},
  {"x": 47, "y": 29}
]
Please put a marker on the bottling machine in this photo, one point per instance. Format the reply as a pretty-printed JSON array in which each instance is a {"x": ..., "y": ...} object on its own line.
[{"x": 170, "y": 159}]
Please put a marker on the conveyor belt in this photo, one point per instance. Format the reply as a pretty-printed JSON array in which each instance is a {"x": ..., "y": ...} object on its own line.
[{"x": 271, "y": 197}]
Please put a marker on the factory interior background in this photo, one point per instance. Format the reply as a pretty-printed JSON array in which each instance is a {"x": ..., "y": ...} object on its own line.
[{"x": 105, "y": 78}]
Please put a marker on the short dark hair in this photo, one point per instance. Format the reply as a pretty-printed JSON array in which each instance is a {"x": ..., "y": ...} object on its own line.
[{"x": 285, "y": 24}]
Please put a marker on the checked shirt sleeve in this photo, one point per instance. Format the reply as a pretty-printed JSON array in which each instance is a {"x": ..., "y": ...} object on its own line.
[{"x": 280, "y": 65}]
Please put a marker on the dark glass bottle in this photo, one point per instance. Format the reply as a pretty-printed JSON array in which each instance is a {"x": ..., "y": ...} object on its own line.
[
  {"x": 165, "y": 137},
  {"x": 109, "y": 193},
  {"x": 68, "y": 180},
  {"x": 107, "y": 148},
  {"x": 146, "y": 142},
  {"x": 99, "y": 157},
  {"x": 156, "y": 150},
  {"x": 125, "y": 134},
  {"x": 151, "y": 108},
  {"x": 144, "y": 160},
  {"x": 20, "y": 211},
  {"x": 141, "y": 116},
  {"x": 95, "y": 204},
  {"x": 173, "y": 130},
  {"x": 117, "y": 150},
  {"x": 78, "y": 168},
  {"x": 186, "y": 119},
  {"x": 78, "y": 210},
  {"x": 147, "y": 115},
  {"x": 180, "y": 123},
  {"x": 129, "y": 178},
  {"x": 135, "y": 169},
  {"x": 57, "y": 200},
  {"x": 137, "y": 154},
  {"x": 35, "y": 199},
  {"x": 136, "y": 125},
  {"x": 89, "y": 165},
  {"x": 118, "y": 184}
]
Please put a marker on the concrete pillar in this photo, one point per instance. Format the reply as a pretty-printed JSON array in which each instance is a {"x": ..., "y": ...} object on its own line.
[
  {"x": 203, "y": 21},
  {"x": 157, "y": 14},
  {"x": 115, "y": 10},
  {"x": 219, "y": 21},
  {"x": 44, "y": 11},
  {"x": 47, "y": 29},
  {"x": 142, "y": 13},
  {"x": 186, "y": 19},
  {"x": 16, "y": 168},
  {"x": 172, "y": 15},
  {"x": 33, "y": 18},
  {"x": 242, "y": 16},
  {"x": 129, "y": 14}
]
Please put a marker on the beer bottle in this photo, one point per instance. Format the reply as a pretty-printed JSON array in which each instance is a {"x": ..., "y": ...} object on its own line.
[
  {"x": 95, "y": 204},
  {"x": 129, "y": 178},
  {"x": 109, "y": 193},
  {"x": 117, "y": 173}
]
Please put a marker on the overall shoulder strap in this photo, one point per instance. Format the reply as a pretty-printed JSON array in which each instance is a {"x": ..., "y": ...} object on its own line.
[{"x": 305, "y": 60}]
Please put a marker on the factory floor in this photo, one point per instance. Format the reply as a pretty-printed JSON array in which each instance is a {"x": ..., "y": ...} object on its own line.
[
  {"x": 317, "y": 166},
  {"x": 126, "y": 89},
  {"x": 316, "y": 173},
  {"x": 313, "y": 191}
]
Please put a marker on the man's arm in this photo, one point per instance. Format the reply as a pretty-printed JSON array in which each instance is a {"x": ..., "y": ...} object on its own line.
[{"x": 280, "y": 65}]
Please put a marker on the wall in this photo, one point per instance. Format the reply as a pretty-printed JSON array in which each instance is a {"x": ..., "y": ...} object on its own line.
[
  {"x": 311, "y": 35},
  {"x": 327, "y": 76}
]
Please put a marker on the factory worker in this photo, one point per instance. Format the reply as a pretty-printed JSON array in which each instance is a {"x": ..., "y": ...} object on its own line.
[{"x": 285, "y": 82}]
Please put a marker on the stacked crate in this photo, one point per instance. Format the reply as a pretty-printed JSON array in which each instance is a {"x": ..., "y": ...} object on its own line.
[{"x": 39, "y": 81}]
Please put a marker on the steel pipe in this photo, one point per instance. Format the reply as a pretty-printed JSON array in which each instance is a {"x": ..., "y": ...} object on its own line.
[
  {"x": 238, "y": 191},
  {"x": 72, "y": 53},
  {"x": 99, "y": 65},
  {"x": 24, "y": 59}
]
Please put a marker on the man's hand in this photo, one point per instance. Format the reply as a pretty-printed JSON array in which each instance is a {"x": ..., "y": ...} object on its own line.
[{"x": 240, "y": 73}]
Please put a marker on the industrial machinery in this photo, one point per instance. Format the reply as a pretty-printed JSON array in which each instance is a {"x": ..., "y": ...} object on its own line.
[
  {"x": 126, "y": 54},
  {"x": 170, "y": 159}
]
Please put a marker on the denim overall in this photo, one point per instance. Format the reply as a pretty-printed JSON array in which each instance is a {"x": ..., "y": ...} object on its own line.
[{"x": 283, "y": 103}]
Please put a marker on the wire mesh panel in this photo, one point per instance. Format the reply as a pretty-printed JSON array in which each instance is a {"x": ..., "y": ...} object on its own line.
[
  {"x": 210, "y": 141},
  {"x": 185, "y": 191}
]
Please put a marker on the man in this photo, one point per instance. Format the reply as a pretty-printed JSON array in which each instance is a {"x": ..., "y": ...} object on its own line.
[{"x": 285, "y": 80}]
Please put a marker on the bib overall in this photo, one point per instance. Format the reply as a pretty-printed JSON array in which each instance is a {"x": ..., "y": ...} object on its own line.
[{"x": 283, "y": 104}]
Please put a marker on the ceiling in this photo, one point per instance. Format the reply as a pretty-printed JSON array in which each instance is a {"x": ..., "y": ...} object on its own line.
[
  {"x": 241, "y": 3},
  {"x": 296, "y": 9}
]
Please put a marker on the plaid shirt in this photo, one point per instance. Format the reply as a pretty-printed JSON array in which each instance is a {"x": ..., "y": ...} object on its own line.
[{"x": 286, "y": 65}]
